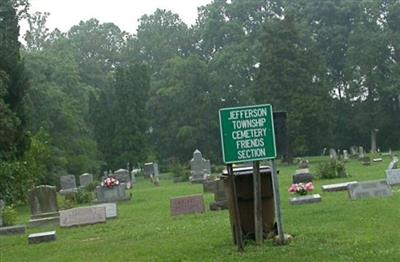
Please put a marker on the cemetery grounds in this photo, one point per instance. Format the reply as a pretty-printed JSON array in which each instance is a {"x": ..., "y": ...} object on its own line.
[{"x": 336, "y": 229}]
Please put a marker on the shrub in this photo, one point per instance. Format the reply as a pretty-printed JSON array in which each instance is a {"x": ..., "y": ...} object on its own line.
[
  {"x": 83, "y": 196},
  {"x": 179, "y": 172},
  {"x": 331, "y": 169},
  {"x": 9, "y": 216}
]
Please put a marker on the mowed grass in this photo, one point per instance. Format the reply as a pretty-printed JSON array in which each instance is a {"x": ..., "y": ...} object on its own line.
[{"x": 337, "y": 229}]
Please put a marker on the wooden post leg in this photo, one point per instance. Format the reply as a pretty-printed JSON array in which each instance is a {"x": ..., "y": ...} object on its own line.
[
  {"x": 277, "y": 203},
  {"x": 235, "y": 205},
  {"x": 258, "y": 223}
]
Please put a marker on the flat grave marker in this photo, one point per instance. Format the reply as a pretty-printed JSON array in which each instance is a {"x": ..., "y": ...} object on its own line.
[
  {"x": 337, "y": 187},
  {"x": 42, "y": 237},
  {"x": 82, "y": 216},
  {"x": 369, "y": 189},
  {"x": 308, "y": 199},
  {"x": 187, "y": 205}
]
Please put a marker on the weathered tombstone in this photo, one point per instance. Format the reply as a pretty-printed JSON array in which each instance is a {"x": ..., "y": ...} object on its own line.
[
  {"x": 361, "y": 153},
  {"x": 68, "y": 184},
  {"x": 44, "y": 209},
  {"x": 303, "y": 163},
  {"x": 111, "y": 209},
  {"x": 337, "y": 187},
  {"x": 302, "y": 176},
  {"x": 82, "y": 216},
  {"x": 369, "y": 189},
  {"x": 42, "y": 237},
  {"x": 113, "y": 194},
  {"x": 353, "y": 151},
  {"x": 134, "y": 173},
  {"x": 187, "y": 205},
  {"x": 393, "y": 177},
  {"x": 393, "y": 163},
  {"x": 308, "y": 199},
  {"x": 13, "y": 230},
  {"x": 324, "y": 151},
  {"x": 332, "y": 154},
  {"x": 209, "y": 186},
  {"x": 123, "y": 176},
  {"x": 151, "y": 170},
  {"x": 200, "y": 168},
  {"x": 345, "y": 155},
  {"x": 220, "y": 197},
  {"x": 85, "y": 179}
]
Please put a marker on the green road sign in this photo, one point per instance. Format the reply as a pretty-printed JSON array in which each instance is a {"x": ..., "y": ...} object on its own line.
[{"x": 247, "y": 133}]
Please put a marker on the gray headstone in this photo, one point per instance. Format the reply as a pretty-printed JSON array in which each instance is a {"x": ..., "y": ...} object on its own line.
[
  {"x": 361, "y": 153},
  {"x": 345, "y": 155},
  {"x": 82, "y": 216},
  {"x": 308, "y": 199},
  {"x": 302, "y": 176},
  {"x": 353, "y": 150},
  {"x": 377, "y": 160},
  {"x": 151, "y": 169},
  {"x": 337, "y": 187},
  {"x": 123, "y": 176},
  {"x": 332, "y": 154},
  {"x": 114, "y": 194},
  {"x": 393, "y": 176},
  {"x": 369, "y": 189},
  {"x": 85, "y": 179},
  {"x": 42, "y": 237},
  {"x": 200, "y": 168},
  {"x": 68, "y": 182},
  {"x": 111, "y": 209},
  {"x": 43, "y": 200},
  {"x": 187, "y": 205},
  {"x": 393, "y": 163},
  {"x": 13, "y": 230}
]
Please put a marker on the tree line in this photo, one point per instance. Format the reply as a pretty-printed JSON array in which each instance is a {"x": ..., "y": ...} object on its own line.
[{"x": 96, "y": 98}]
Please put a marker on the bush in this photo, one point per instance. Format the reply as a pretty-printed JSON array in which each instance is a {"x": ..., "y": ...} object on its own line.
[
  {"x": 83, "y": 196},
  {"x": 331, "y": 169},
  {"x": 179, "y": 172},
  {"x": 9, "y": 216}
]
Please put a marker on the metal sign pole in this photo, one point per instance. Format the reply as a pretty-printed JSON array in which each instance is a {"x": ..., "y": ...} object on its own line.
[
  {"x": 258, "y": 223},
  {"x": 277, "y": 203},
  {"x": 233, "y": 195}
]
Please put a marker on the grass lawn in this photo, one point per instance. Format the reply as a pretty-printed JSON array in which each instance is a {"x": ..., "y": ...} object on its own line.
[{"x": 336, "y": 229}]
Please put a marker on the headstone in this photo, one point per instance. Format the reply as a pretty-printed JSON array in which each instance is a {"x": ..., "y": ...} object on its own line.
[
  {"x": 151, "y": 170},
  {"x": 393, "y": 177},
  {"x": 332, "y": 154},
  {"x": 303, "y": 163},
  {"x": 13, "y": 230},
  {"x": 345, "y": 155},
  {"x": 361, "y": 153},
  {"x": 324, "y": 151},
  {"x": 134, "y": 173},
  {"x": 43, "y": 203},
  {"x": 82, "y": 216},
  {"x": 111, "y": 209},
  {"x": 200, "y": 168},
  {"x": 337, "y": 187},
  {"x": 220, "y": 197},
  {"x": 209, "y": 186},
  {"x": 308, "y": 199},
  {"x": 353, "y": 151},
  {"x": 187, "y": 205},
  {"x": 122, "y": 175},
  {"x": 393, "y": 163},
  {"x": 302, "y": 176},
  {"x": 369, "y": 189},
  {"x": 68, "y": 184},
  {"x": 377, "y": 160},
  {"x": 113, "y": 194},
  {"x": 42, "y": 237},
  {"x": 85, "y": 179}
]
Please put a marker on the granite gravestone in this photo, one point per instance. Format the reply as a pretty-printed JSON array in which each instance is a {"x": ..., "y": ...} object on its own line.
[
  {"x": 68, "y": 184},
  {"x": 393, "y": 177},
  {"x": 369, "y": 189},
  {"x": 393, "y": 163},
  {"x": 115, "y": 193},
  {"x": 43, "y": 203},
  {"x": 200, "y": 168},
  {"x": 187, "y": 205},
  {"x": 361, "y": 153},
  {"x": 85, "y": 179},
  {"x": 42, "y": 237},
  {"x": 82, "y": 216},
  {"x": 122, "y": 175},
  {"x": 111, "y": 209},
  {"x": 302, "y": 176},
  {"x": 332, "y": 154},
  {"x": 308, "y": 199},
  {"x": 151, "y": 170},
  {"x": 353, "y": 151},
  {"x": 337, "y": 187},
  {"x": 220, "y": 197},
  {"x": 345, "y": 155}
]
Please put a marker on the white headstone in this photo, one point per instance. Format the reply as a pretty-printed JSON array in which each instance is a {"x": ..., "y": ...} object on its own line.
[{"x": 111, "y": 209}]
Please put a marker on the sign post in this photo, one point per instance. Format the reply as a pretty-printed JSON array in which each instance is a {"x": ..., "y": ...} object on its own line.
[{"x": 247, "y": 134}]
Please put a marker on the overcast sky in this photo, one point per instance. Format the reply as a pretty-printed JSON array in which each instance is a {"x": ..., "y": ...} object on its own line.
[{"x": 123, "y": 13}]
